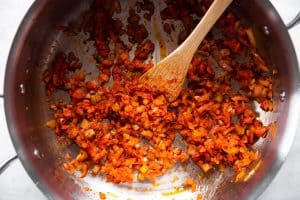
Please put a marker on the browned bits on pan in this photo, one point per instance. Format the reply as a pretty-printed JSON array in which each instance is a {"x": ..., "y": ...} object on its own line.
[
  {"x": 56, "y": 78},
  {"x": 117, "y": 6},
  {"x": 65, "y": 29},
  {"x": 101, "y": 26},
  {"x": 167, "y": 28},
  {"x": 148, "y": 6},
  {"x": 144, "y": 50},
  {"x": 183, "y": 10},
  {"x": 126, "y": 131},
  {"x": 136, "y": 31},
  {"x": 74, "y": 62}
]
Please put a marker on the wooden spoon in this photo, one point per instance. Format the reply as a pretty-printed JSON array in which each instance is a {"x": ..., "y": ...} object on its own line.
[{"x": 169, "y": 74}]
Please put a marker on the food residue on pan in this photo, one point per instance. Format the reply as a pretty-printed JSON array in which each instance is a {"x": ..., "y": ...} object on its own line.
[
  {"x": 177, "y": 190},
  {"x": 156, "y": 184},
  {"x": 272, "y": 130},
  {"x": 162, "y": 44},
  {"x": 126, "y": 131},
  {"x": 175, "y": 178},
  {"x": 102, "y": 195},
  {"x": 190, "y": 184},
  {"x": 199, "y": 197},
  {"x": 87, "y": 189}
]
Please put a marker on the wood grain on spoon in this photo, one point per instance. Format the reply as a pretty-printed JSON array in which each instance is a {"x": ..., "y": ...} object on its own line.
[{"x": 169, "y": 74}]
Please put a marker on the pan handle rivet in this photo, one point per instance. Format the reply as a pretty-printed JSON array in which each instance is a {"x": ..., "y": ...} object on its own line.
[
  {"x": 22, "y": 88},
  {"x": 266, "y": 30},
  {"x": 37, "y": 153},
  {"x": 282, "y": 95}
]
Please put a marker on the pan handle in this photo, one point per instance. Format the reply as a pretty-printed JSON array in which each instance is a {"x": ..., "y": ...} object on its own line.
[
  {"x": 294, "y": 21},
  {"x": 5, "y": 164}
]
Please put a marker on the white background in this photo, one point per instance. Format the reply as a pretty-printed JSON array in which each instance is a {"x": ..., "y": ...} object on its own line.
[{"x": 16, "y": 184}]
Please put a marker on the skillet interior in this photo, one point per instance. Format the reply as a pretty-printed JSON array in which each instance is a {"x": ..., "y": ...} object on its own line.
[{"x": 27, "y": 109}]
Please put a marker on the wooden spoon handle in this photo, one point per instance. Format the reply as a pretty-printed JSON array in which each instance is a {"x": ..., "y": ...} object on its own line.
[
  {"x": 190, "y": 45},
  {"x": 169, "y": 74}
]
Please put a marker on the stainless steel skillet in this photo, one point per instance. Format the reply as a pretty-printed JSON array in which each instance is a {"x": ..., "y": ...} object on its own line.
[{"x": 34, "y": 46}]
